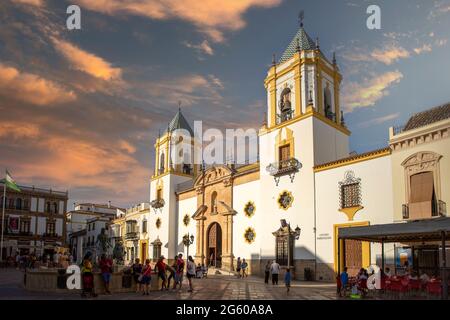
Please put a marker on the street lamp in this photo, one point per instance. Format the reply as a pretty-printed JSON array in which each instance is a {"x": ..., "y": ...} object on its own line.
[
  {"x": 296, "y": 235},
  {"x": 187, "y": 241}
]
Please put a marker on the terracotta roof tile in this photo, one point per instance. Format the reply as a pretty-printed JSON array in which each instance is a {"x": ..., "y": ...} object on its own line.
[{"x": 424, "y": 118}]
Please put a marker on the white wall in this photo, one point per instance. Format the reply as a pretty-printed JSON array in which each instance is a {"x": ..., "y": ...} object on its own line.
[
  {"x": 187, "y": 206},
  {"x": 242, "y": 194},
  {"x": 376, "y": 190}
]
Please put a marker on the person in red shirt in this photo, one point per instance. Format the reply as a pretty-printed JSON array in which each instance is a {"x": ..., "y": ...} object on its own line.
[
  {"x": 106, "y": 265},
  {"x": 146, "y": 276},
  {"x": 179, "y": 271},
  {"x": 161, "y": 266}
]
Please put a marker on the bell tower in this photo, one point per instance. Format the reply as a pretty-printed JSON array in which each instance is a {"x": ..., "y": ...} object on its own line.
[{"x": 303, "y": 81}]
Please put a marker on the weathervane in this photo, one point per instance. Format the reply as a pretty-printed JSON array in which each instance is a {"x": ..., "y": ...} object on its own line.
[
  {"x": 301, "y": 17},
  {"x": 179, "y": 105}
]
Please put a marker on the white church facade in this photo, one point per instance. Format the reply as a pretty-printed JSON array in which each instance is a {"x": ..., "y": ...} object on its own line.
[{"x": 290, "y": 205}]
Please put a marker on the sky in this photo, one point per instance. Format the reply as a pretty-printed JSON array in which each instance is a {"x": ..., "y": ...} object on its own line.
[{"x": 81, "y": 109}]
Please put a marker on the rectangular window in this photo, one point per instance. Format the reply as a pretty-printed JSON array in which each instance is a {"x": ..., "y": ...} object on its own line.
[
  {"x": 285, "y": 152},
  {"x": 24, "y": 225},
  {"x": 350, "y": 196},
  {"x": 156, "y": 251},
  {"x": 422, "y": 199},
  {"x": 159, "y": 194},
  {"x": 282, "y": 250},
  {"x": 51, "y": 228},
  {"x": 144, "y": 226}
]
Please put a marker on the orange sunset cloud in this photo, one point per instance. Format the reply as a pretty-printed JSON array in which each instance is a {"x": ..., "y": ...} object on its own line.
[{"x": 31, "y": 88}]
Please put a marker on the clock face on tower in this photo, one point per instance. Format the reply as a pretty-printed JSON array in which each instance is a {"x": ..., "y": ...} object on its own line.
[{"x": 285, "y": 200}]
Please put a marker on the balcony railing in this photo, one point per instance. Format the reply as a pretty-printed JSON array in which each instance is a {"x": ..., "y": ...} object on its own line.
[
  {"x": 157, "y": 203},
  {"x": 285, "y": 116},
  {"x": 439, "y": 209},
  {"x": 285, "y": 167},
  {"x": 131, "y": 235}
]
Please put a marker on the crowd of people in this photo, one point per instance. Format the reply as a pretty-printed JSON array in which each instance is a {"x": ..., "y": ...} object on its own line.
[
  {"x": 32, "y": 261},
  {"x": 359, "y": 285}
]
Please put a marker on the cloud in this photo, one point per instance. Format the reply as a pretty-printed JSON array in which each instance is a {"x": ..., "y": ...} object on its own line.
[
  {"x": 367, "y": 93},
  {"x": 387, "y": 55},
  {"x": 211, "y": 17},
  {"x": 31, "y": 88},
  {"x": 189, "y": 89},
  {"x": 424, "y": 48},
  {"x": 18, "y": 130},
  {"x": 379, "y": 120},
  {"x": 87, "y": 62},
  {"x": 203, "y": 47},
  {"x": 36, "y": 3}
]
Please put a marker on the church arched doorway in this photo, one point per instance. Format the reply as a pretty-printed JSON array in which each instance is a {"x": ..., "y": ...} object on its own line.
[{"x": 214, "y": 245}]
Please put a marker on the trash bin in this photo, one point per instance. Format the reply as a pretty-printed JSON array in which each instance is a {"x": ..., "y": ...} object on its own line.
[
  {"x": 308, "y": 275},
  {"x": 61, "y": 282}
]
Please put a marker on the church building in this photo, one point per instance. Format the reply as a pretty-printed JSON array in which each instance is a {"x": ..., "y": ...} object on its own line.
[{"x": 290, "y": 205}]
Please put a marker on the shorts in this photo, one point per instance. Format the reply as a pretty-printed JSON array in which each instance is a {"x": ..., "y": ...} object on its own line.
[
  {"x": 162, "y": 275},
  {"x": 238, "y": 269},
  {"x": 190, "y": 275},
  {"x": 146, "y": 280},
  {"x": 106, "y": 277},
  {"x": 178, "y": 277}
]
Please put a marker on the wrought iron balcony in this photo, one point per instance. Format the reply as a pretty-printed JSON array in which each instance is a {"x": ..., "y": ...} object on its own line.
[
  {"x": 285, "y": 167},
  {"x": 157, "y": 203},
  {"x": 442, "y": 208},
  {"x": 131, "y": 235},
  {"x": 439, "y": 209}
]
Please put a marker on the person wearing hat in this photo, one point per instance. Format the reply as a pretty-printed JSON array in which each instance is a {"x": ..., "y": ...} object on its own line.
[{"x": 161, "y": 266}]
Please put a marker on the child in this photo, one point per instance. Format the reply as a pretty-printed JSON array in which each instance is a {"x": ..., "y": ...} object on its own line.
[
  {"x": 287, "y": 280},
  {"x": 344, "y": 282}
]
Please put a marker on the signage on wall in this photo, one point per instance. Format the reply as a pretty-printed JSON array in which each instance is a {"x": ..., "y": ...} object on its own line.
[
  {"x": 14, "y": 224},
  {"x": 403, "y": 257}
]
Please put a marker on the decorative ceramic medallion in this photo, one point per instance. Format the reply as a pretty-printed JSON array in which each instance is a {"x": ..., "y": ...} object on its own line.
[
  {"x": 250, "y": 235},
  {"x": 285, "y": 200},
  {"x": 186, "y": 220},
  {"x": 249, "y": 209},
  {"x": 158, "y": 223}
]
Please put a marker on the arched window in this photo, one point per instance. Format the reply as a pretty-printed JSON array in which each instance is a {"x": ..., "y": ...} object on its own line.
[
  {"x": 18, "y": 204},
  {"x": 48, "y": 207},
  {"x": 161, "y": 163},
  {"x": 55, "y": 207},
  {"x": 26, "y": 205},
  {"x": 214, "y": 202},
  {"x": 328, "y": 105},
  {"x": 285, "y": 105}
]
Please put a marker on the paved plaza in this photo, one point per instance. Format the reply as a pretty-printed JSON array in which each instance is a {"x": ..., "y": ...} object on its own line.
[{"x": 215, "y": 287}]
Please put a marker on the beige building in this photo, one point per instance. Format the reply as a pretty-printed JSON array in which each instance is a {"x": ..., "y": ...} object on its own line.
[{"x": 34, "y": 220}]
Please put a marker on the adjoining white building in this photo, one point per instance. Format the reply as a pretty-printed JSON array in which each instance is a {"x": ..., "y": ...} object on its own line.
[
  {"x": 82, "y": 212},
  {"x": 85, "y": 223},
  {"x": 291, "y": 204},
  {"x": 132, "y": 229}
]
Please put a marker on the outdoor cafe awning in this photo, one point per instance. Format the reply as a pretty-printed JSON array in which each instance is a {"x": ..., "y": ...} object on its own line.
[{"x": 414, "y": 231}]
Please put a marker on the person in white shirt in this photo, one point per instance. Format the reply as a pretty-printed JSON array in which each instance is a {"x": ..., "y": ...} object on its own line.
[
  {"x": 424, "y": 277},
  {"x": 190, "y": 272},
  {"x": 275, "y": 271}
]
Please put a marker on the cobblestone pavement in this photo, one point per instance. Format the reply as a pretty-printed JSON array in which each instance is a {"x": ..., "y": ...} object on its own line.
[{"x": 215, "y": 287}]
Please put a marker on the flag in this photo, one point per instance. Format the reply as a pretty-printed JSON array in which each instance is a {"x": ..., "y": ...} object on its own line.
[{"x": 10, "y": 183}]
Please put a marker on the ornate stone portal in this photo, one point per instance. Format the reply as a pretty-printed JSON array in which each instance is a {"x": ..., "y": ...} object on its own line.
[{"x": 214, "y": 217}]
